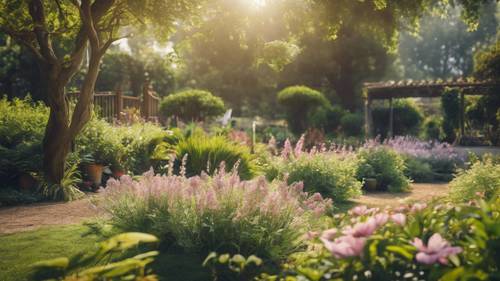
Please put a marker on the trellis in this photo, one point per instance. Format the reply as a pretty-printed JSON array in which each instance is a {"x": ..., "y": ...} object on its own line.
[{"x": 390, "y": 90}]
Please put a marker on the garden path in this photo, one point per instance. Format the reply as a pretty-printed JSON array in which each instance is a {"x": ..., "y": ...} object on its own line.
[
  {"x": 420, "y": 192},
  {"x": 29, "y": 217}
]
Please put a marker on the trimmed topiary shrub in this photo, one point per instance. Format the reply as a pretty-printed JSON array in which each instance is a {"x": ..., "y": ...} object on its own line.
[
  {"x": 299, "y": 101},
  {"x": 385, "y": 165},
  {"x": 192, "y": 105},
  {"x": 205, "y": 154}
]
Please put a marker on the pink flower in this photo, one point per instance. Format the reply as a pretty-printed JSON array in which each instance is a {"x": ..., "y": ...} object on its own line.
[
  {"x": 329, "y": 233},
  {"x": 437, "y": 249},
  {"x": 362, "y": 229},
  {"x": 311, "y": 235},
  {"x": 417, "y": 207},
  {"x": 381, "y": 219},
  {"x": 362, "y": 210},
  {"x": 345, "y": 246},
  {"x": 399, "y": 218}
]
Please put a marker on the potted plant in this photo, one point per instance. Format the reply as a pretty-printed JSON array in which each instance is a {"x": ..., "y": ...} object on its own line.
[
  {"x": 369, "y": 176},
  {"x": 94, "y": 168}
]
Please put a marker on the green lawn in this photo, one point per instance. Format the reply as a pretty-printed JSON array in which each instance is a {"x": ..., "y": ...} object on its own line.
[{"x": 18, "y": 251}]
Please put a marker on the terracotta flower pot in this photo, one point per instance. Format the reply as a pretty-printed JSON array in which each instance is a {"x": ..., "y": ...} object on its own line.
[
  {"x": 118, "y": 173},
  {"x": 94, "y": 172},
  {"x": 371, "y": 184}
]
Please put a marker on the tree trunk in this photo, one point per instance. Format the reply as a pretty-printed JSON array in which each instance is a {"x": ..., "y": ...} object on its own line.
[{"x": 56, "y": 142}]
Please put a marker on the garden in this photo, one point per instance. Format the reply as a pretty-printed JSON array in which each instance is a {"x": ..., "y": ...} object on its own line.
[{"x": 249, "y": 140}]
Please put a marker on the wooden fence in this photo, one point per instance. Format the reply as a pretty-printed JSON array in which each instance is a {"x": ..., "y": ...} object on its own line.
[{"x": 113, "y": 105}]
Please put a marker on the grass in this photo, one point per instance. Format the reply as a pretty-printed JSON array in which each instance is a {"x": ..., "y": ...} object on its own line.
[{"x": 20, "y": 250}]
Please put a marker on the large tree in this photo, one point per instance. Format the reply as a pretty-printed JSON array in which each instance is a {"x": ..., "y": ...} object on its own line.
[{"x": 58, "y": 33}]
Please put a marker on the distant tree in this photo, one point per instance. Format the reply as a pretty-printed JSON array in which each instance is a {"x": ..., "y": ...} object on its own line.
[
  {"x": 444, "y": 47},
  {"x": 58, "y": 33},
  {"x": 485, "y": 112}
]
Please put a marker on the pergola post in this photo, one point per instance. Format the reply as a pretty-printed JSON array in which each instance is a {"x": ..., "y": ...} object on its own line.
[
  {"x": 391, "y": 119},
  {"x": 368, "y": 117},
  {"x": 462, "y": 114}
]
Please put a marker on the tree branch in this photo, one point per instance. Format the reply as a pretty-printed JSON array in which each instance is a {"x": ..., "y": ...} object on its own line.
[{"x": 40, "y": 30}]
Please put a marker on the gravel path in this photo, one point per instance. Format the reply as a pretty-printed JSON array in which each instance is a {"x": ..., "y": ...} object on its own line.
[
  {"x": 29, "y": 217},
  {"x": 421, "y": 192}
]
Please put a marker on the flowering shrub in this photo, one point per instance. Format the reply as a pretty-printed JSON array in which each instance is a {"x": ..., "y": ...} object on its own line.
[
  {"x": 441, "y": 158},
  {"x": 222, "y": 213},
  {"x": 383, "y": 164},
  {"x": 483, "y": 177},
  {"x": 331, "y": 172},
  {"x": 419, "y": 242}
]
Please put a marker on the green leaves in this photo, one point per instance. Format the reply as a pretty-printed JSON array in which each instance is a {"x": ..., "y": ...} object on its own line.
[{"x": 84, "y": 266}]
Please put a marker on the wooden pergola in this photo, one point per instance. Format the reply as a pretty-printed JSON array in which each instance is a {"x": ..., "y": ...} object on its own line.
[{"x": 390, "y": 90}]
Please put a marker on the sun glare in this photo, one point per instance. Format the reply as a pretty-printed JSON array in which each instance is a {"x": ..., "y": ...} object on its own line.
[{"x": 257, "y": 3}]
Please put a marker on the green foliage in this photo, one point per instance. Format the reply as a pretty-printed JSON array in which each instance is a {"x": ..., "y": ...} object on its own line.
[
  {"x": 407, "y": 119},
  {"x": 385, "y": 165},
  {"x": 432, "y": 129},
  {"x": 192, "y": 105},
  {"x": 390, "y": 251},
  {"x": 205, "y": 154},
  {"x": 418, "y": 170},
  {"x": 67, "y": 189},
  {"x": 482, "y": 178},
  {"x": 450, "y": 103},
  {"x": 352, "y": 124},
  {"x": 299, "y": 101},
  {"x": 327, "y": 174},
  {"x": 21, "y": 121},
  {"x": 327, "y": 118},
  {"x": 141, "y": 142},
  {"x": 86, "y": 266},
  {"x": 235, "y": 267},
  {"x": 97, "y": 143},
  {"x": 11, "y": 196},
  {"x": 487, "y": 62},
  {"x": 484, "y": 114}
]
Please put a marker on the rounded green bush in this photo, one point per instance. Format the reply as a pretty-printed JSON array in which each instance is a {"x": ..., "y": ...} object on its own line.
[
  {"x": 192, "y": 105},
  {"x": 407, "y": 119},
  {"x": 483, "y": 177},
  {"x": 327, "y": 118},
  {"x": 327, "y": 174},
  {"x": 205, "y": 154},
  {"x": 299, "y": 101},
  {"x": 352, "y": 124},
  {"x": 385, "y": 165}
]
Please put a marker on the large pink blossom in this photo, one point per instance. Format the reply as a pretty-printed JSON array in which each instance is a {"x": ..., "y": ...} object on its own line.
[
  {"x": 437, "y": 249},
  {"x": 381, "y": 219},
  {"x": 399, "y": 218},
  {"x": 345, "y": 246},
  {"x": 362, "y": 229}
]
